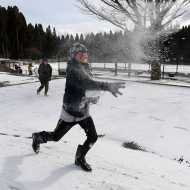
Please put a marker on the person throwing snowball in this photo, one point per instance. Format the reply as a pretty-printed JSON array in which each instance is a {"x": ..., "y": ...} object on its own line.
[{"x": 75, "y": 107}]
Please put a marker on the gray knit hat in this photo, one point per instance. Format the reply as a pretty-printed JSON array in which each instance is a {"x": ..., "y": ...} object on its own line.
[{"x": 77, "y": 47}]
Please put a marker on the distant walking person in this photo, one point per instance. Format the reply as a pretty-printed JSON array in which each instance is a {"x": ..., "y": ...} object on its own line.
[
  {"x": 75, "y": 109},
  {"x": 18, "y": 69},
  {"x": 45, "y": 73},
  {"x": 30, "y": 69}
]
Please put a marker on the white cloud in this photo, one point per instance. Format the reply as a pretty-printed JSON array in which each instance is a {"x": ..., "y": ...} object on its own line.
[{"x": 85, "y": 27}]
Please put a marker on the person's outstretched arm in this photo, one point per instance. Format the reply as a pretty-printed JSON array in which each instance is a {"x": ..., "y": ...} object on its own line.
[{"x": 83, "y": 80}]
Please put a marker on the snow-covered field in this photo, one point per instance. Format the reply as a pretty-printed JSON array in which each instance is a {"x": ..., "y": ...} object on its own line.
[
  {"x": 9, "y": 79},
  {"x": 156, "y": 117}
]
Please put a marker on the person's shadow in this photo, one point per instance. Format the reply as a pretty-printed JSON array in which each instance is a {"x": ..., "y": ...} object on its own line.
[{"x": 11, "y": 172}]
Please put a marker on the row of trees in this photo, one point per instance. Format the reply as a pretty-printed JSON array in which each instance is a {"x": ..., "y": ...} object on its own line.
[
  {"x": 117, "y": 46},
  {"x": 102, "y": 47},
  {"x": 21, "y": 40},
  {"x": 176, "y": 48}
]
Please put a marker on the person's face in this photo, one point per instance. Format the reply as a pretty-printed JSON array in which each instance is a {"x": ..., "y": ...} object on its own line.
[
  {"x": 82, "y": 57},
  {"x": 44, "y": 61}
]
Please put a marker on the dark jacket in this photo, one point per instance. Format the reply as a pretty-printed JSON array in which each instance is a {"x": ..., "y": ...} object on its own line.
[
  {"x": 78, "y": 80},
  {"x": 45, "y": 72}
]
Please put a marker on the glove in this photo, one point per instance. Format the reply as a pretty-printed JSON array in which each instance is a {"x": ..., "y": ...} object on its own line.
[{"x": 114, "y": 88}]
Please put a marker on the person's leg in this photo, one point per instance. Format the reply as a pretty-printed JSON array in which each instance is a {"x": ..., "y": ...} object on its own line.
[
  {"x": 61, "y": 129},
  {"x": 46, "y": 87},
  {"x": 41, "y": 86},
  {"x": 42, "y": 137},
  {"x": 90, "y": 130}
]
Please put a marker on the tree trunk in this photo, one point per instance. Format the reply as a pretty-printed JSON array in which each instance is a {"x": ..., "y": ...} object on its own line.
[
  {"x": 155, "y": 56},
  {"x": 155, "y": 71},
  {"x": 3, "y": 50}
]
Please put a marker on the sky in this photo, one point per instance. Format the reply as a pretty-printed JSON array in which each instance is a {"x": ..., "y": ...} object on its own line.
[{"x": 64, "y": 15}]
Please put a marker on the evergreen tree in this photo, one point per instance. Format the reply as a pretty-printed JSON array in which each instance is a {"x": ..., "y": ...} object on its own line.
[
  {"x": 77, "y": 38},
  {"x": 4, "y": 52}
]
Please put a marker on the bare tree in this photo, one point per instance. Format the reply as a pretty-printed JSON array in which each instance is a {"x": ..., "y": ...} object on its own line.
[{"x": 143, "y": 16}]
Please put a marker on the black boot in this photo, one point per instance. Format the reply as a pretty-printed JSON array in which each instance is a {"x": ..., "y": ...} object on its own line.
[
  {"x": 80, "y": 159},
  {"x": 39, "y": 138},
  {"x": 36, "y": 140}
]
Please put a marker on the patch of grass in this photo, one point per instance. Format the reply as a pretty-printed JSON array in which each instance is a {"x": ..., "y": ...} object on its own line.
[{"x": 133, "y": 145}]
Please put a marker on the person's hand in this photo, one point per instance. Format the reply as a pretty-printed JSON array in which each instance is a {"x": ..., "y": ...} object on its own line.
[{"x": 114, "y": 88}]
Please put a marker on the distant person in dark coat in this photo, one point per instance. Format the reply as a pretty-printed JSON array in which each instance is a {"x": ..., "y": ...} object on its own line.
[
  {"x": 75, "y": 109},
  {"x": 45, "y": 73},
  {"x": 30, "y": 69},
  {"x": 18, "y": 69}
]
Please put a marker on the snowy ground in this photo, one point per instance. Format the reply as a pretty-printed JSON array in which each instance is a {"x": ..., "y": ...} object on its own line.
[
  {"x": 10, "y": 79},
  {"x": 156, "y": 117}
]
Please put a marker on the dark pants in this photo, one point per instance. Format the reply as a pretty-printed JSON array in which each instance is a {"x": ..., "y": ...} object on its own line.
[
  {"x": 63, "y": 127},
  {"x": 30, "y": 72},
  {"x": 44, "y": 83}
]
